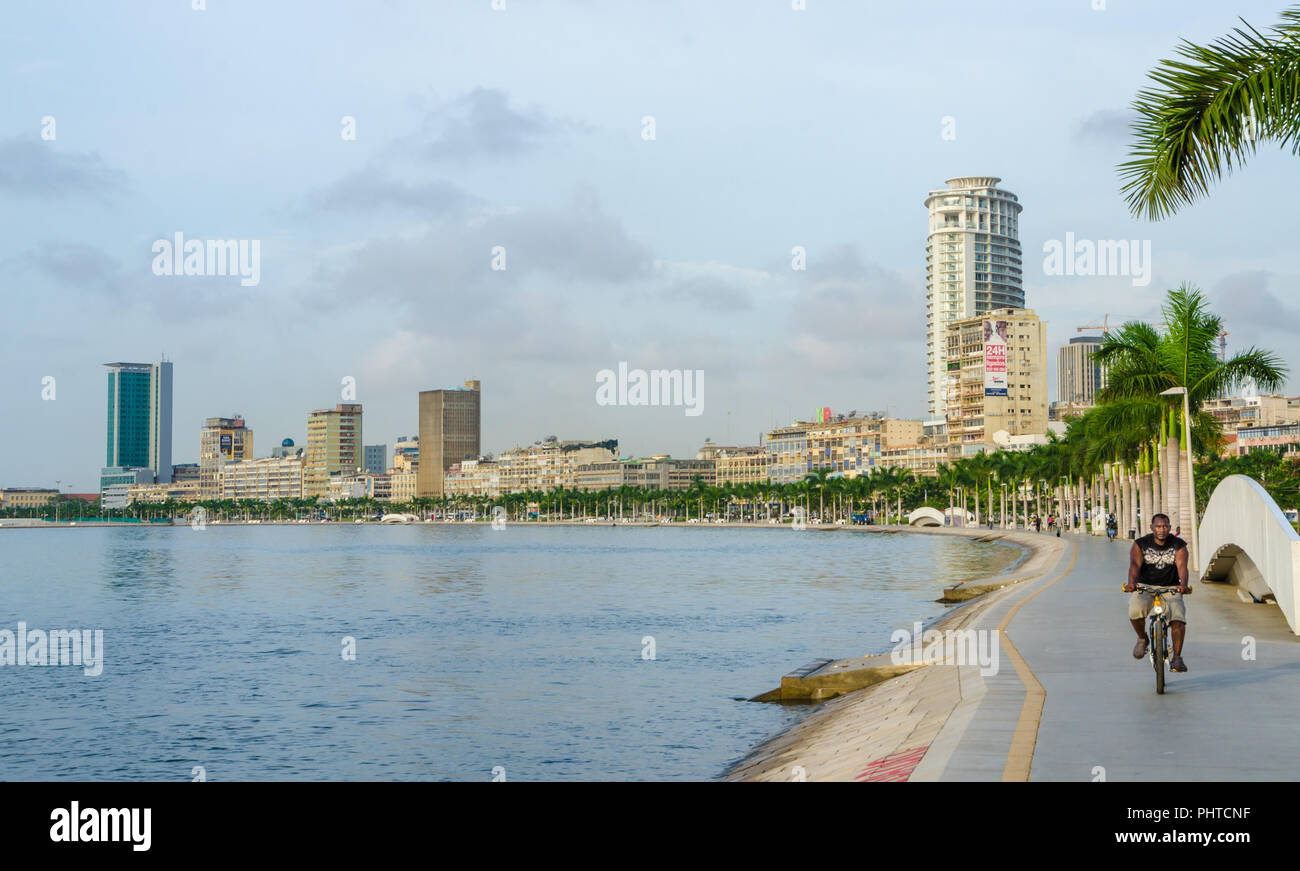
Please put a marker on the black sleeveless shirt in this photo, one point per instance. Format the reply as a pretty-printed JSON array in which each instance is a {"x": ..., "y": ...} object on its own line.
[{"x": 1158, "y": 566}]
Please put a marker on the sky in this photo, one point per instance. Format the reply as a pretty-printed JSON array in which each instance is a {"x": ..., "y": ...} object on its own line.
[{"x": 383, "y": 155}]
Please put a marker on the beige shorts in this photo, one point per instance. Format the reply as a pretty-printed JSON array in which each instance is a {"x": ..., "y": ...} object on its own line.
[{"x": 1141, "y": 600}]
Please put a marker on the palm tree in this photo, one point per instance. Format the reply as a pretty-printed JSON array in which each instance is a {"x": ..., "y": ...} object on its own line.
[
  {"x": 1143, "y": 361},
  {"x": 1207, "y": 112}
]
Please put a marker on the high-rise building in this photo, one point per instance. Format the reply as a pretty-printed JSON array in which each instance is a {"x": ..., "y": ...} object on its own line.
[
  {"x": 140, "y": 418},
  {"x": 333, "y": 447},
  {"x": 1078, "y": 377},
  {"x": 222, "y": 440},
  {"x": 996, "y": 385},
  {"x": 449, "y": 433},
  {"x": 972, "y": 265},
  {"x": 376, "y": 459}
]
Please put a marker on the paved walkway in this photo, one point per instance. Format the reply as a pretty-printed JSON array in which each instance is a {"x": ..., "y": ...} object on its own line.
[{"x": 1068, "y": 701}]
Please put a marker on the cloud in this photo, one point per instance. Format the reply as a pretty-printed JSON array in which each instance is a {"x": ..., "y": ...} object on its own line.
[
  {"x": 36, "y": 168},
  {"x": 373, "y": 188},
  {"x": 482, "y": 124},
  {"x": 1248, "y": 307},
  {"x": 1106, "y": 124},
  {"x": 76, "y": 265},
  {"x": 444, "y": 273}
]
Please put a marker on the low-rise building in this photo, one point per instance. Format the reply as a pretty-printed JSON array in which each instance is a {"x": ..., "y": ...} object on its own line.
[
  {"x": 115, "y": 483},
  {"x": 737, "y": 465},
  {"x": 851, "y": 444},
  {"x": 265, "y": 479},
  {"x": 182, "y": 491},
  {"x": 1284, "y": 440},
  {"x": 26, "y": 497}
]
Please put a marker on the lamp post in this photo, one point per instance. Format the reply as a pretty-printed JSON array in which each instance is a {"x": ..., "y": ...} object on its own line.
[{"x": 1191, "y": 481}]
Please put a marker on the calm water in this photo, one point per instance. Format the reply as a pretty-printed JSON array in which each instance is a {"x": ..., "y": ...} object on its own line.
[{"x": 476, "y": 648}]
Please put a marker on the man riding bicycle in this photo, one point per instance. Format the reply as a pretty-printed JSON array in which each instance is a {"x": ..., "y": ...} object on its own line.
[
  {"x": 1112, "y": 527},
  {"x": 1158, "y": 560}
]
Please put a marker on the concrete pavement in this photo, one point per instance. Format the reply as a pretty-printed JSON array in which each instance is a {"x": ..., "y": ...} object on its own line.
[{"x": 1068, "y": 701}]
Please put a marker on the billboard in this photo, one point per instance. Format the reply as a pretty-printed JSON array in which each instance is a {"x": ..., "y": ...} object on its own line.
[
  {"x": 995, "y": 358},
  {"x": 227, "y": 441}
]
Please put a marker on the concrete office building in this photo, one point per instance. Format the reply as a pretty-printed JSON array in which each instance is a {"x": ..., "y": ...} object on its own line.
[
  {"x": 1078, "y": 377},
  {"x": 996, "y": 384},
  {"x": 334, "y": 447},
  {"x": 972, "y": 265},
  {"x": 140, "y": 418},
  {"x": 222, "y": 440},
  {"x": 375, "y": 459},
  {"x": 449, "y": 433}
]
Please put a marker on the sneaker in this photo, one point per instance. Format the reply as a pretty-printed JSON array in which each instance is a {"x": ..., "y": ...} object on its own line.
[
  {"x": 1140, "y": 649},
  {"x": 1177, "y": 664}
]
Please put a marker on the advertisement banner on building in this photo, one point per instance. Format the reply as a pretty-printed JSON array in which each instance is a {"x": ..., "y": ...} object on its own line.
[
  {"x": 226, "y": 445},
  {"x": 995, "y": 358}
]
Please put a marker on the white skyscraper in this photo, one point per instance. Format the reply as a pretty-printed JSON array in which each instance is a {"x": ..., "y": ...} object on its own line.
[{"x": 972, "y": 265}]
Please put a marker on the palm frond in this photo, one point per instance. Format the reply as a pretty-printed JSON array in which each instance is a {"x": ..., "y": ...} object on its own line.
[{"x": 1209, "y": 109}]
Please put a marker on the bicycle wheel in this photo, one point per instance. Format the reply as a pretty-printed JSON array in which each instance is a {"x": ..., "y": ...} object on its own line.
[{"x": 1158, "y": 654}]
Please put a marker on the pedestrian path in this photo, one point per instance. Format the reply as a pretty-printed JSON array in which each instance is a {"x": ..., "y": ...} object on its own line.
[{"x": 1068, "y": 701}]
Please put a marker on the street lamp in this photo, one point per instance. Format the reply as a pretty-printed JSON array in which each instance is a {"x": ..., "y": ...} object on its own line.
[{"x": 1191, "y": 481}]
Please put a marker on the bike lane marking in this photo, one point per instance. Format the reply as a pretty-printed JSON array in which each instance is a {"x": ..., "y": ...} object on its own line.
[{"x": 1020, "y": 757}]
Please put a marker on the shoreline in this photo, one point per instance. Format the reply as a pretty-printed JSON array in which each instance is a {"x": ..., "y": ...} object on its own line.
[{"x": 903, "y": 711}]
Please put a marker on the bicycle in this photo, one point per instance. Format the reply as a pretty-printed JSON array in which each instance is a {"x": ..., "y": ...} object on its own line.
[{"x": 1158, "y": 632}]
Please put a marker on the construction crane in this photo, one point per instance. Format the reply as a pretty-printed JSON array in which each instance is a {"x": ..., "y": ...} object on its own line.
[
  {"x": 1223, "y": 345},
  {"x": 1104, "y": 326}
]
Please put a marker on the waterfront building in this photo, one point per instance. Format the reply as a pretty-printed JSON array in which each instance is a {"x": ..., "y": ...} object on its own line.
[
  {"x": 375, "y": 459},
  {"x": 333, "y": 447},
  {"x": 406, "y": 454},
  {"x": 660, "y": 472},
  {"x": 264, "y": 479},
  {"x": 851, "y": 445},
  {"x": 1247, "y": 412},
  {"x": 26, "y": 497},
  {"x": 449, "y": 433},
  {"x": 1079, "y": 378},
  {"x": 286, "y": 449},
  {"x": 140, "y": 417},
  {"x": 543, "y": 466},
  {"x": 183, "y": 472},
  {"x": 737, "y": 465},
  {"x": 473, "y": 478},
  {"x": 401, "y": 486},
  {"x": 115, "y": 484},
  {"x": 178, "y": 491},
  {"x": 921, "y": 459},
  {"x": 346, "y": 487},
  {"x": 1284, "y": 440},
  {"x": 996, "y": 382},
  {"x": 221, "y": 440},
  {"x": 972, "y": 265}
]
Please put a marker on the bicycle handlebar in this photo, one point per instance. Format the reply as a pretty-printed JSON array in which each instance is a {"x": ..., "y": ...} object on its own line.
[{"x": 1173, "y": 589}]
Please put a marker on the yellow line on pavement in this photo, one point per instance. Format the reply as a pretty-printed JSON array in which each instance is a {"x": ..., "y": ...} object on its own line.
[{"x": 1021, "y": 755}]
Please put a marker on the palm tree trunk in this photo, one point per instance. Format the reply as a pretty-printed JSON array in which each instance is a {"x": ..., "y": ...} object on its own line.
[
  {"x": 1184, "y": 521},
  {"x": 1170, "y": 470}
]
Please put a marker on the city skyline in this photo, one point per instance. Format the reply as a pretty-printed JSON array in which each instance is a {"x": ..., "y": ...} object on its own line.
[{"x": 376, "y": 252}]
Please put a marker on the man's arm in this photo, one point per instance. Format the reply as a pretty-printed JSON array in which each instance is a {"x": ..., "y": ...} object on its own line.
[
  {"x": 1134, "y": 566},
  {"x": 1180, "y": 560}
]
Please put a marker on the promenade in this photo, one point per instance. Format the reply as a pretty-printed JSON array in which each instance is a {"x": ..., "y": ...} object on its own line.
[{"x": 1068, "y": 701}]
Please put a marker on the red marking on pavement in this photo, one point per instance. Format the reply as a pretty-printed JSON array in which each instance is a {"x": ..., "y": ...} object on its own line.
[{"x": 894, "y": 768}]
